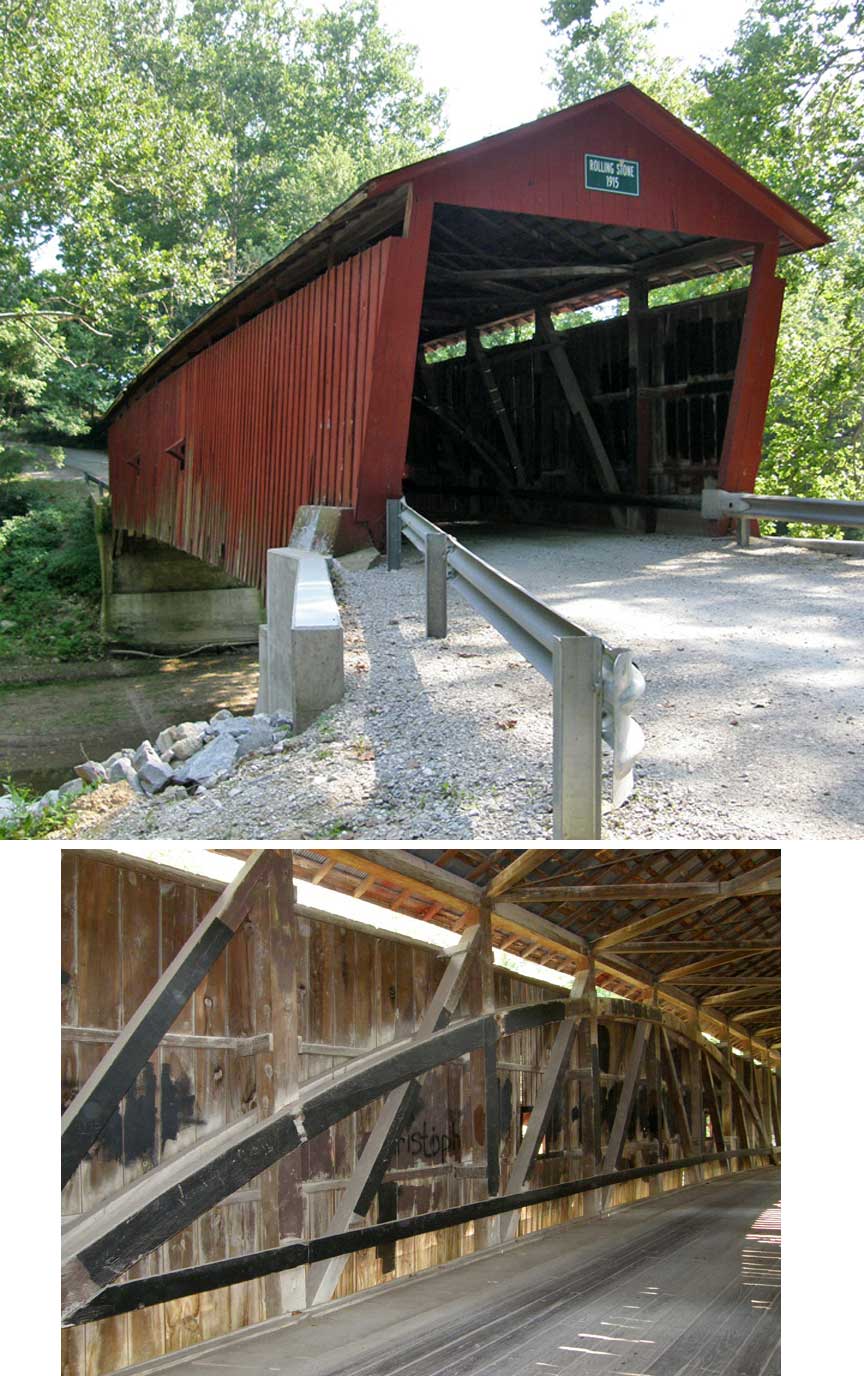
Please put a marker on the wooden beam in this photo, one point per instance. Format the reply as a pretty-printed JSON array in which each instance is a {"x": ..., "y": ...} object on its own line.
[
  {"x": 244, "y": 1046},
  {"x": 556, "y": 1066},
  {"x": 767, "y": 874},
  {"x": 710, "y": 981},
  {"x": 713, "y": 1104},
  {"x": 606, "y": 475},
  {"x": 601, "y": 893},
  {"x": 731, "y": 995},
  {"x": 493, "y": 1116},
  {"x": 195, "y": 1280},
  {"x": 484, "y": 366},
  {"x": 738, "y": 1114},
  {"x": 652, "y": 922},
  {"x": 159, "y": 1204},
  {"x": 699, "y": 948},
  {"x": 754, "y": 1013},
  {"x": 99, "y": 1096},
  {"x": 493, "y": 274},
  {"x": 395, "y": 1115},
  {"x": 679, "y": 972},
  {"x": 675, "y": 1094},
  {"x": 624, "y": 1111},
  {"x": 775, "y": 1106},
  {"x": 516, "y": 871}
]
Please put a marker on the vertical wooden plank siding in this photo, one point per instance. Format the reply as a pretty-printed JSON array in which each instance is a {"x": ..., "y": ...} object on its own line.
[
  {"x": 273, "y": 416},
  {"x": 312, "y": 985}
]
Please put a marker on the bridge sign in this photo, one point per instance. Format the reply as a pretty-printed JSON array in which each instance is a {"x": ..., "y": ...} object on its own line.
[{"x": 618, "y": 175}]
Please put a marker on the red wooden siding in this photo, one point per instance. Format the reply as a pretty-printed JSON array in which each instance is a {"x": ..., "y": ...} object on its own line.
[
  {"x": 310, "y": 401},
  {"x": 273, "y": 416}
]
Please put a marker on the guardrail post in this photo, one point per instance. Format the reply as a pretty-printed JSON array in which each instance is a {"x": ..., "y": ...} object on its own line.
[
  {"x": 577, "y": 700},
  {"x": 436, "y": 585},
  {"x": 394, "y": 534},
  {"x": 744, "y": 531}
]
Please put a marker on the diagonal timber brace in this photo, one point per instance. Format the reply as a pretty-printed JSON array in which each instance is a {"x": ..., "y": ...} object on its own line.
[
  {"x": 99, "y": 1096},
  {"x": 110, "y": 1240},
  {"x": 624, "y": 1111},
  {"x": 559, "y": 1059},
  {"x": 606, "y": 475},
  {"x": 397, "y": 1112}
]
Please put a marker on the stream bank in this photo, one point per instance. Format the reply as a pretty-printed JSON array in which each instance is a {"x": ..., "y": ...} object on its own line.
[{"x": 88, "y": 710}]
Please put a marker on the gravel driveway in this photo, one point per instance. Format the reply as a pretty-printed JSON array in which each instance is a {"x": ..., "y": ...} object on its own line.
[{"x": 753, "y": 711}]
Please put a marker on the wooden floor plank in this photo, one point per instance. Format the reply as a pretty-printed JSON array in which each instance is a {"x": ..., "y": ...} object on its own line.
[{"x": 649, "y": 1288}]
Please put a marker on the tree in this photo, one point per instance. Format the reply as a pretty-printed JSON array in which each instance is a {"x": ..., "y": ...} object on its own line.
[
  {"x": 786, "y": 102},
  {"x": 593, "y": 54},
  {"x": 163, "y": 151}
]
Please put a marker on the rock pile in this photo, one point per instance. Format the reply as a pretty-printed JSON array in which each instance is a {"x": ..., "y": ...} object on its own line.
[{"x": 183, "y": 759}]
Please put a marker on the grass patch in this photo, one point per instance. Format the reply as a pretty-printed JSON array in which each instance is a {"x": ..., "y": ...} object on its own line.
[
  {"x": 23, "y": 825},
  {"x": 50, "y": 585}
]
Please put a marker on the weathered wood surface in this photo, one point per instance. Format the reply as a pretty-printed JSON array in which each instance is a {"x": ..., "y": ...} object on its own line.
[
  {"x": 121, "y": 1298},
  {"x": 99, "y": 1096},
  {"x": 101, "y": 1247},
  {"x": 396, "y": 1113},
  {"x": 342, "y": 991}
]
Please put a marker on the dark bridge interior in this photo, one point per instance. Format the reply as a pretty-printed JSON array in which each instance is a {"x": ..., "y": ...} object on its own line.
[{"x": 527, "y": 406}]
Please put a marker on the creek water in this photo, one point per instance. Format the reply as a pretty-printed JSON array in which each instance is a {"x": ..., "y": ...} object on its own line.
[{"x": 47, "y": 728}]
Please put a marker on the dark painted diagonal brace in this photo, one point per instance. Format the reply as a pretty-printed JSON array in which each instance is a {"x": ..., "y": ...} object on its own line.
[
  {"x": 169, "y": 1198},
  {"x": 397, "y": 1112},
  {"x": 99, "y": 1096}
]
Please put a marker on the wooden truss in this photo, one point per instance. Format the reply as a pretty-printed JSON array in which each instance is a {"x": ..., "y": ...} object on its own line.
[
  {"x": 97, "y": 1099},
  {"x": 104, "y": 1244}
]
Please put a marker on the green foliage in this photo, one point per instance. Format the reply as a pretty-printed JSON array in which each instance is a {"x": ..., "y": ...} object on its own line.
[
  {"x": 594, "y": 55},
  {"x": 49, "y": 575},
  {"x": 23, "y": 826},
  {"x": 786, "y": 101},
  {"x": 151, "y": 153}
]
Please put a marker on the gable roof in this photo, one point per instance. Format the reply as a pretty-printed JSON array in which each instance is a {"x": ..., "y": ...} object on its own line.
[
  {"x": 800, "y": 231},
  {"x": 377, "y": 208}
]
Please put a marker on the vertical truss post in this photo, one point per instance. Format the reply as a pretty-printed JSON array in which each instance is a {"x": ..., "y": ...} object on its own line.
[
  {"x": 624, "y": 1111},
  {"x": 775, "y": 1105},
  {"x": 577, "y": 703},
  {"x": 397, "y": 1112},
  {"x": 714, "y": 1109},
  {"x": 697, "y": 1107},
  {"x": 639, "y": 403},
  {"x": 676, "y": 1097},
  {"x": 556, "y": 1067},
  {"x": 394, "y": 534},
  {"x": 490, "y": 1057},
  {"x": 436, "y": 585}
]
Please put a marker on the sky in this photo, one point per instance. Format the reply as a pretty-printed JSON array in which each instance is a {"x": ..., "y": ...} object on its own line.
[{"x": 492, "y": 55}]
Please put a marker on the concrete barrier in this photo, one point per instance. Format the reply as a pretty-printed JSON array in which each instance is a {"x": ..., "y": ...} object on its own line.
[{"x": 300, "y": 646}]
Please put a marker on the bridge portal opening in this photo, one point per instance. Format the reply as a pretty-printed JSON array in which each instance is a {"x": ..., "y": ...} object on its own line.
[{"x": 551, "y": 386}]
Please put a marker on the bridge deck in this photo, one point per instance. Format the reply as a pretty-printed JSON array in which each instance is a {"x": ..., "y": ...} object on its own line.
[{"x": 683, "y": 1285}]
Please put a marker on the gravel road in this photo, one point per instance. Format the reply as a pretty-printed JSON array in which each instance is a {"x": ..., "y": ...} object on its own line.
[{"x": 753, "y": 712}]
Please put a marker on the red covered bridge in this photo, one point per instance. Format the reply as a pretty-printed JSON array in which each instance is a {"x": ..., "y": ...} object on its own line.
[{"x": 322, "y": 378}]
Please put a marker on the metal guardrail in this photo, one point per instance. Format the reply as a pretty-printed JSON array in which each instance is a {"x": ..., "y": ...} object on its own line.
[
  {"x": 594, "y": 687},
  {"x": 744, "y": 507}
]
